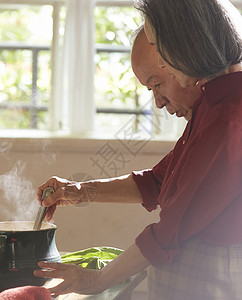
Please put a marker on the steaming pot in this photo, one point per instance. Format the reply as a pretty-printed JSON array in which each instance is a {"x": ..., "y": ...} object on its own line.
[{"x": 21, "y": 248}]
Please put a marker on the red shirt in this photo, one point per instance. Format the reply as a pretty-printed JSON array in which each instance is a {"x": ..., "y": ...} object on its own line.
[{"x": 198, "y": 185}]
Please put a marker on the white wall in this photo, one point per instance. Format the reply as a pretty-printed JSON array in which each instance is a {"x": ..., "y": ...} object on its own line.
[{"x": 97, "y": 224}]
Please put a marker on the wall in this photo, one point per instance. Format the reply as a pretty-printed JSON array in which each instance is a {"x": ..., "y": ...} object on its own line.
[{"x": 35, "y": 160}]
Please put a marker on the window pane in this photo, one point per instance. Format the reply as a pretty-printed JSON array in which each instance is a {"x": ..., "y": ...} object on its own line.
[
  {"x": 115, "y": 25},
  {"x": 25, "y": 39},
  {"x": 44, "y": 75},
  {"x": 16, "y": 76},
  {"x": 14, "y": 118},
  {"x": 115, "y": 84},
  {"x": 24, "y": 23},
  {"x": 114, "y": 81}
]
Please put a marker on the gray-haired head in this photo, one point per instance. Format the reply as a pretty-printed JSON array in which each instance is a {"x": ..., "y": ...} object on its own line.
[{"x": 201, "y": 38}]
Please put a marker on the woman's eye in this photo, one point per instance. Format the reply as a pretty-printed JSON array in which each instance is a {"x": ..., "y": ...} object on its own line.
[{"x": 157, "y": 85}]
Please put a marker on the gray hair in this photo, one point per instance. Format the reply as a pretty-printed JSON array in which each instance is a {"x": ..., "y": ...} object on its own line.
[
  {"x": 197, "y": 37},
  {"x": 136, "y": 32}
]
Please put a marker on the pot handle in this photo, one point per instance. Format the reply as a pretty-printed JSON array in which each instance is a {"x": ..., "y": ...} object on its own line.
[{"x": 3, "y": 253}]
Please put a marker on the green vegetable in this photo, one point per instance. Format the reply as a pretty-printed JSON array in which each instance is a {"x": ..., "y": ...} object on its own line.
[{"x": 91, "y": 258}]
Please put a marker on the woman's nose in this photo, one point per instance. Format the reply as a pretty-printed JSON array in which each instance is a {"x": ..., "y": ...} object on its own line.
[{"x": 160, "y": 101}]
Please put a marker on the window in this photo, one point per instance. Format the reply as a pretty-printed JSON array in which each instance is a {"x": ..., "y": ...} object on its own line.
[
  {"x": 31, "y": 33},
  {"x": 119, "y": 98},
  {"x": 26, "y": 40},
  {"x": 25, "y": 62}
]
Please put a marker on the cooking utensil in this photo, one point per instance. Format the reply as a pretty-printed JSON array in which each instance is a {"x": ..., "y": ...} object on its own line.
[
  {"x": 42, "y": 210},
  {"x": 21, "y": 248}
]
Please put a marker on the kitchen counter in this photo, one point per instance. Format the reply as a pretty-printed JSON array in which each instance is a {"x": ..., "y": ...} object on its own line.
[{"x": 121, "y": 291}]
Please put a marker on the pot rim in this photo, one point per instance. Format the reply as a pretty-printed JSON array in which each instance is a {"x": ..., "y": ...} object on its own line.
[{"x": 48, "y": 224}]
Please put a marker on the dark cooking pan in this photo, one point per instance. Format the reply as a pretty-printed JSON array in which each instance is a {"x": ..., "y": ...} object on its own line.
[{"x": 21, "y": 248}]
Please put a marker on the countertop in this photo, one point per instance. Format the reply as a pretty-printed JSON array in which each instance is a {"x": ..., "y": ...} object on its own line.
[{"x": 121, "y": 291}]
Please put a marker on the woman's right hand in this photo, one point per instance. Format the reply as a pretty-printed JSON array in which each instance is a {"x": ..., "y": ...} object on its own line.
[{"x": 66, "y": 192}]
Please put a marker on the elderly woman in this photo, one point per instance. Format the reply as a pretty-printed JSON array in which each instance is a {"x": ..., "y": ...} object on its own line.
[
  {"x": 194, "y": 251},
  {"x": 201, "y": 202}
]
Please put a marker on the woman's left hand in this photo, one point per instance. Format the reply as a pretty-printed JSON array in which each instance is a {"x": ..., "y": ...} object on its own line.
[
  {"x": 75, "y": 278},
  {"x": 85, "y": 281}
]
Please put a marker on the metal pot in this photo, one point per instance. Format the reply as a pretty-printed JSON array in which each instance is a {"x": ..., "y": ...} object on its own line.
[{"x": 21, "y": 248}]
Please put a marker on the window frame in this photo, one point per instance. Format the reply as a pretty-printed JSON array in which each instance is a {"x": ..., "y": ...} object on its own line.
[
  {"x": 56, "y": 8},
  {"x": 57, "y": 4}
]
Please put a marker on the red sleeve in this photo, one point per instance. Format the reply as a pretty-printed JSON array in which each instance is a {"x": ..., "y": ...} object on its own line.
[
  {"x": 149, "y": 182},
  {"x": 204, "y": 186}
]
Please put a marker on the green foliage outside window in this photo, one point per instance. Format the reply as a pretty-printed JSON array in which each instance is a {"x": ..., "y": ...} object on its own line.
[
  {"x": 114, "y": 76},
  {"x": 21, "y": 26},
  {"x": 32, "y": 25}
]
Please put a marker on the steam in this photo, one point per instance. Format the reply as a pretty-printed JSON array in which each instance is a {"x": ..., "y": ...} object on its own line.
[
  {"x": 17, "y": 196},
  {"x": 5, "y": 148},
  {"x": 48, "y": 154},
  {"x": 45, "y": 153}
]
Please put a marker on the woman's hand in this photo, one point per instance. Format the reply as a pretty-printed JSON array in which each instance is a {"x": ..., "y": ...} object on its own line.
[
  {"x": 85, "y": 281},
  {"x": 66, "y": 193},
  {"x": 75, "y": 278}
]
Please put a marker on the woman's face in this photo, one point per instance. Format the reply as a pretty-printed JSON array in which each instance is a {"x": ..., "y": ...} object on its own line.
[{"x": 183, "y": 79}]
